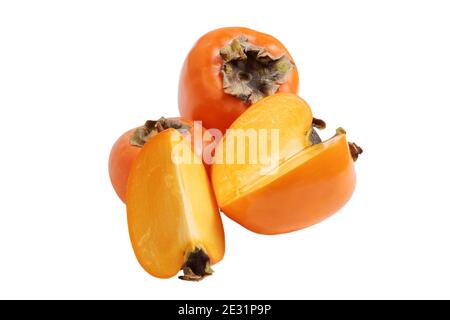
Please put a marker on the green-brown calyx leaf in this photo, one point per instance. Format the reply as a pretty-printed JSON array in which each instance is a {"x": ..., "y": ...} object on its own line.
[
  {"x": 153, "y": 127},
  {"x": 250, "y": 72}
]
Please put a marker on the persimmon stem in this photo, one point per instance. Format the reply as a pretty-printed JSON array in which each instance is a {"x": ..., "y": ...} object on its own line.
[
  {"x": 250, "y": 72},
  {"x": 197, "y": 266}
]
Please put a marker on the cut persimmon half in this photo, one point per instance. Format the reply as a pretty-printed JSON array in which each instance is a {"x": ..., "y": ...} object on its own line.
[
  {"x": 308, "y": 181},
  {"x": 173, "y": 218}
]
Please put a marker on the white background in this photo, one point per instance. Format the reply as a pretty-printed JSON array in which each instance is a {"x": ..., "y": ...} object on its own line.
[{"x": 74, "y": 75}]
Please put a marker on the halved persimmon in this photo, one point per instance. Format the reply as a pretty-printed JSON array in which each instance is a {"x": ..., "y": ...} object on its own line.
[
  {"x": 173, "y": 219},
  {"x": 304, "y": 182}
]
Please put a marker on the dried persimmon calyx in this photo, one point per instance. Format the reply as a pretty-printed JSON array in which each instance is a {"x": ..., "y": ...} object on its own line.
[
  {"x": 153, "y": 127},
  {"x": 250, "y": 72},
  {"x": 197, "y": 265}
]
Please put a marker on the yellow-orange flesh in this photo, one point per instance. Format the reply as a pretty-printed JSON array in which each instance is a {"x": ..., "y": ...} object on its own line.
[
  {"x": 305, "y": 185},
  {"x": 304, "y": 190},
  {"x": 286, "y": 118},
  {"x": 171, "y": 208}
]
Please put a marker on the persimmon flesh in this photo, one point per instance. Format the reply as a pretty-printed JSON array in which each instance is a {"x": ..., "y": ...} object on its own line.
[
  {"x": 173, "y": 217},
  {"x": 284, "y": 113},
  {"x": 310, "y": 182}
]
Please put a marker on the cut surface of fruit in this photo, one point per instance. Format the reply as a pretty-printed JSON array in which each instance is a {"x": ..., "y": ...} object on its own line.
[
  {"x": 305, "y": 180},
  {"x": 173, "y": 217},
  {"x": 304, "y": 190},
  {"x": 283, "y": 120}
]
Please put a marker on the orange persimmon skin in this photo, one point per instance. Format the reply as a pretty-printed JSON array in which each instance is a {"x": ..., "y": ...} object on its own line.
[
  {"x": 123, "y": 154},
  {"x": 201, "y": 95},
  {"x": 121, "y": 159},
  {"x": 302, "y": 197}
]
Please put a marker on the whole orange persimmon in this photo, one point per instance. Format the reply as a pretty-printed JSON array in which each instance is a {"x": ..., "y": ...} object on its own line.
[
  {"x": 126, "y": 149},
  {"x": 229, "y": 69}
]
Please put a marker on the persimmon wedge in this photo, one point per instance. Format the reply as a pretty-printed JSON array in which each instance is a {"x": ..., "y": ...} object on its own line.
[
  {"x": 309, "y": 181},
  {"x": 173, "y": 219}
]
